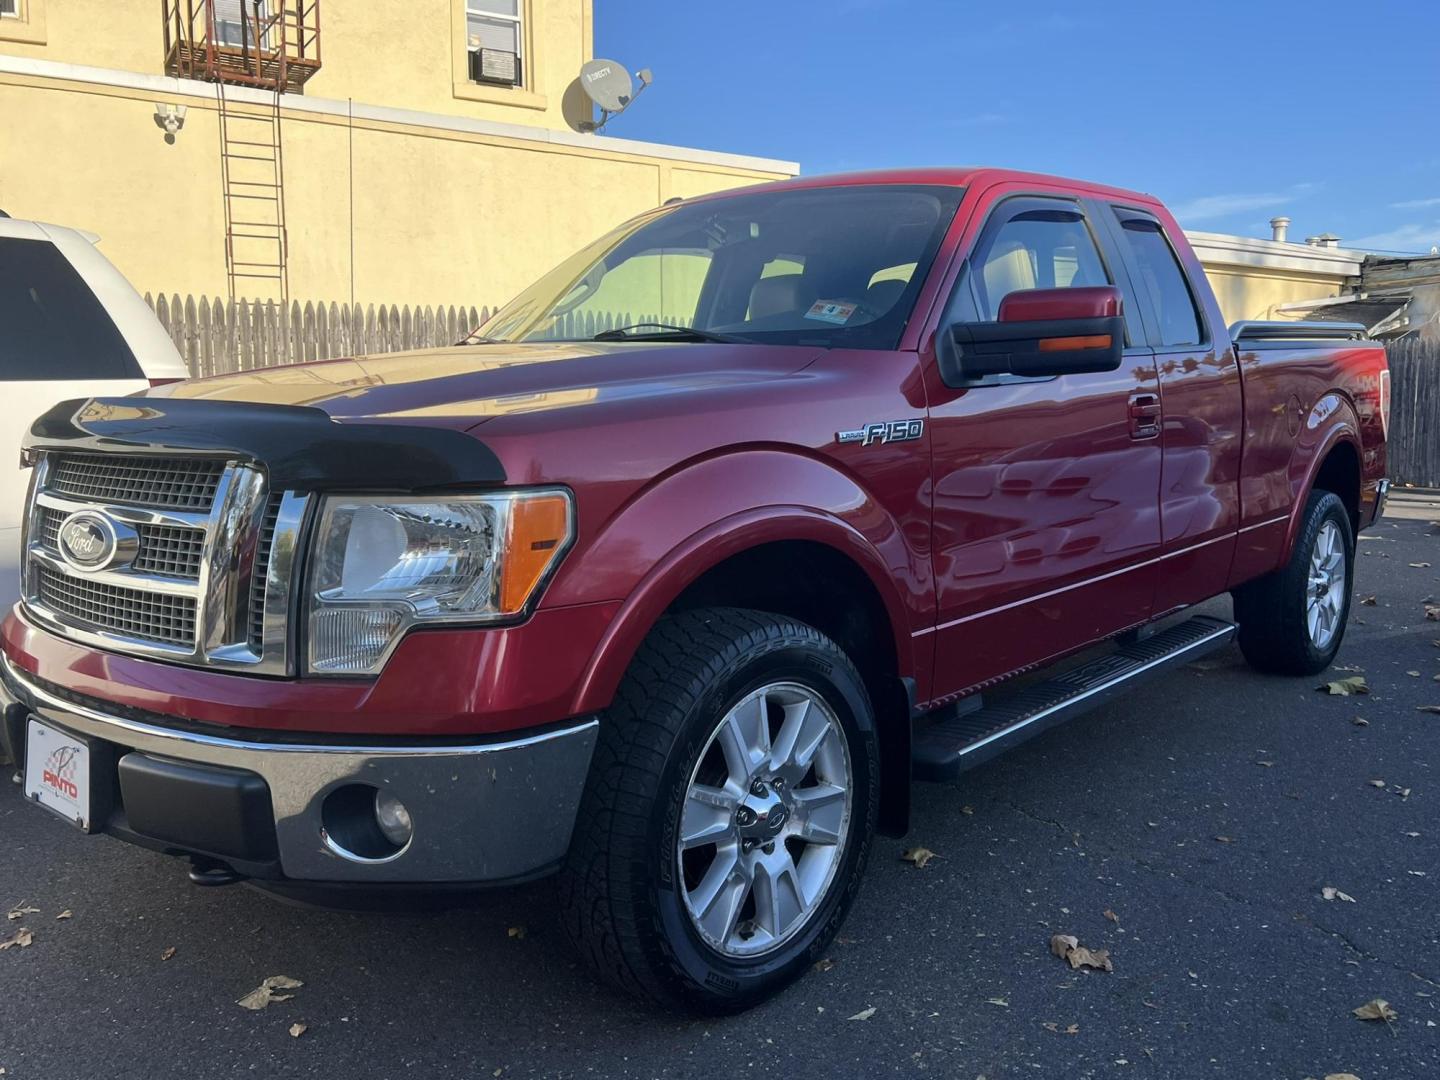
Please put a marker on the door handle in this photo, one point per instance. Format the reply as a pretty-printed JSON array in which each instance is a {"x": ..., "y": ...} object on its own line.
[{"x": 1144, "y": 416}]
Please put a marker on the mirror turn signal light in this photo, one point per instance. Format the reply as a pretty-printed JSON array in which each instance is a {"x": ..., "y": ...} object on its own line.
[{"x": 1066, "y": 344}]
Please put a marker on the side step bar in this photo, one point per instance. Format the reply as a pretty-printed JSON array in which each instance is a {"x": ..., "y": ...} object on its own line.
[{"x": 948, "y": 747}]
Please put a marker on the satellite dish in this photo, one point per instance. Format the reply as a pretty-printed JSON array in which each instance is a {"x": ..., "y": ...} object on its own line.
[{"x": 609, "y": 85}]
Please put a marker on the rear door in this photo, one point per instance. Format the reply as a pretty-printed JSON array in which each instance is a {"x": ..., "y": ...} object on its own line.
[
  {"x": 1045, "y": 489},
  {"x": 1202, "y": 414},
  {"x": 56, "y": 342}
]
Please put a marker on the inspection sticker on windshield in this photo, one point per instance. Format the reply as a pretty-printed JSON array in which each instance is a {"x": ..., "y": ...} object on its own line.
[{"x": 831, "y": 311}]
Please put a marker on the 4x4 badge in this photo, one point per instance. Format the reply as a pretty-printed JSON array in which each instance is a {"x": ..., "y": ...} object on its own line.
[{"x": 887, "y": 432}]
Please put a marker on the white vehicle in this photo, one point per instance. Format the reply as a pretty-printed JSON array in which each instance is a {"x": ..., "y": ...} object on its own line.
[{"x": 70, "y": 326}]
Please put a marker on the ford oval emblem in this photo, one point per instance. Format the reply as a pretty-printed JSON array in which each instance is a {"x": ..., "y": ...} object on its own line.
[{"x": 87, "y": 540}]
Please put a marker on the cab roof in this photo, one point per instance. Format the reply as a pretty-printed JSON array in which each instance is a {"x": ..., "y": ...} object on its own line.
[{"x": 944, "y": 176}]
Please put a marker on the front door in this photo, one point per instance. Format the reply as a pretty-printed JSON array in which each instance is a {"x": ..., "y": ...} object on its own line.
[{"x": 1046, "y": 490}]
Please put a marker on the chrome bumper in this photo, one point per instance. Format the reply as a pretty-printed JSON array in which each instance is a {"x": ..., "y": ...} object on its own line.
[{"x": 481, "y": 813}]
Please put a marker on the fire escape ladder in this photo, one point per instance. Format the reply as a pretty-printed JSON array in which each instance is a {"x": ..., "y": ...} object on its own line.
[
  {"x": 252, "y": 177},
  {"x": 272, "y": 46}
]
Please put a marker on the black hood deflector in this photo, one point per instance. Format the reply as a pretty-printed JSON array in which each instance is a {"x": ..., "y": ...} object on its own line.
[{"x": 300, "y": 447}]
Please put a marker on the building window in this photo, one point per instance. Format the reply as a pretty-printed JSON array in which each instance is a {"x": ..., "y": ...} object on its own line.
[
  {"x": 10, "y": 8},
  {"x": 495, "y": 41},
  {"x": 236, "y": 23}
]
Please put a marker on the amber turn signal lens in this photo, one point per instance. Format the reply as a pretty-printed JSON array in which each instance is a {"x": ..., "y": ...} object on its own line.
[
  {"x": 1065, "y": 344},
  {"x": 539, "y": 530}
]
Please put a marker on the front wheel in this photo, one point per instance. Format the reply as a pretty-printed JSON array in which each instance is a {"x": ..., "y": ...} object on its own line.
[
  {"x": 1293, "y": 619},
  {"x": 728, "y": 814}
]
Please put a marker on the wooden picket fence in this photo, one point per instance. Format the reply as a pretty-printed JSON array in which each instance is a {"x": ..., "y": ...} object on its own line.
[
  {"x": 217, "y": 336},
  {"x": 220, "y": 336},
  {"x": 1413, "y": 447}
]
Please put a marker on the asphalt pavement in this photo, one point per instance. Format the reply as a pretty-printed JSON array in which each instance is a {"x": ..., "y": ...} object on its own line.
[{"x": 1205, "y": 814}]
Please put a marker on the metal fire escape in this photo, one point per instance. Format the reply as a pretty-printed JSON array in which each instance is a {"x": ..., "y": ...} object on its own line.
[{"x": 269, "y": 45}]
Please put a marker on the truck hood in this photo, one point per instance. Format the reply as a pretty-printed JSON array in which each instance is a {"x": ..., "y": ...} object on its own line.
[{"x": 466, "y": 385}]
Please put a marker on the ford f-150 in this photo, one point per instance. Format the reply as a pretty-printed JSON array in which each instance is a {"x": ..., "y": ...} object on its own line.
[{"x": 672, "y": 578}]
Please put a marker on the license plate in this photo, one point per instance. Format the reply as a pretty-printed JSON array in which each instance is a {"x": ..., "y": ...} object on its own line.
[{"x": 57, "y": 772}]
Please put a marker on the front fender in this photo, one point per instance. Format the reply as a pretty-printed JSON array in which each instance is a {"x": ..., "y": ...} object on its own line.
[{"x": 691, "y": 520}]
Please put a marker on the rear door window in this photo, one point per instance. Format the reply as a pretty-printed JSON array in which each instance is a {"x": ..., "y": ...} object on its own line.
[
  {"x": 1161, "y": 280},
  {"x": 52, "y": 327}
]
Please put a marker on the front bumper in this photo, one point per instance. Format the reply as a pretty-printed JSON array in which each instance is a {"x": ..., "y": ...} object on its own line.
[{"x": 482, "y": 813}]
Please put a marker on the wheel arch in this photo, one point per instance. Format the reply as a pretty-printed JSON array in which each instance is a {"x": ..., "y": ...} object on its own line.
[
  {"x": 788, "y": 561},
  {"x": 1332, "y": 457}
]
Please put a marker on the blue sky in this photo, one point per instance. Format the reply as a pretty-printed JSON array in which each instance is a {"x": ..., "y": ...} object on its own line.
[{"x": 1232, "y": 112}]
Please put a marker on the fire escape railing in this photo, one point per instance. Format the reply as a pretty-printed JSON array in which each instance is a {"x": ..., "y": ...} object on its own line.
[{"x": 278, "y": 46}]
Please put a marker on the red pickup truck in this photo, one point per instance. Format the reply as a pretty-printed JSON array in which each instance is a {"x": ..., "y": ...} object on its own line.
[{"x": 674, "y": 576}]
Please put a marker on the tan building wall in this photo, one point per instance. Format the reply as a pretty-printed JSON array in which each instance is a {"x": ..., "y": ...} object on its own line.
[
  {"x": 409, "y": 54},
  {"x": 1252, "y": 278},
  {"x": 403, "y": 184}
]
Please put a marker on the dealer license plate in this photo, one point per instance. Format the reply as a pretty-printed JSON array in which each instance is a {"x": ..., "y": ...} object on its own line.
[{"x": 57, "y": 772}]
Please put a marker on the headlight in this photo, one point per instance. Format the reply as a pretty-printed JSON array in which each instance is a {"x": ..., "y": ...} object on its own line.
[{"x": 383, "y": 564}]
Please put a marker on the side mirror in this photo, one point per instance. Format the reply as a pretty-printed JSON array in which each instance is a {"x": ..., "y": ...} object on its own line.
[{"x": 1040, "y": 332}]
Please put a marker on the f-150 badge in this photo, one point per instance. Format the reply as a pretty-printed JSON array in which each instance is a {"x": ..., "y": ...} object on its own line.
[{"x": 887, "y": 432}]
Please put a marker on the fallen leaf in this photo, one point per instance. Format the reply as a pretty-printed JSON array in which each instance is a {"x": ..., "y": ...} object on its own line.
[
  {"x": 20, "y": 910},
  {"x": 824, "y": 965},
  {"x": 1427, "y": 708},
  {"x": 1225, "y": 839},
  {"x": 1355, "y": 684},
  {"x": 1368, "y": 601},
  {"x": 1360, "y": 721},
  {"x": 998, "y": 1001},
  {"x": 265, "y": 993},
  {"x": 21, "y": 939},
  {"x": 919, "y": 856},
  {"x": 1329, "y": 892},
  {"x": 1421, "y": 565},
  {"x": 296, "y": 1030},
  {"x": 1432, "y": 612},
  {"x": 1111, "y": 916},
  {"x": 1069, "y": 949},
  {"x": 1341, "y": 1076},
  {"x": 516, "y": 932},
  {"x": 863, "y": 1014},
  {"x": 66, "y": 914},
  {"x": 1266, "y": 764},
  {"x": 1377, "y": 783},
  {"x": 1413, "y": 674},
  {"x": 168, "y": 953},
  {"x": 1073, "y": 1029},
  {"x": 970, "y": 810},
  {"x": 1379, "y": 1009}
]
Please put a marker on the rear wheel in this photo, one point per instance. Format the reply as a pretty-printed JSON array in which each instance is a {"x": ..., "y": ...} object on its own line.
[
  {"x": 1292, "y": 621},
  {"x": 729, "y": 811}
]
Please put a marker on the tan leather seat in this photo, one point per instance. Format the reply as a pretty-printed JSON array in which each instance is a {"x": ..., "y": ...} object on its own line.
[
  {"x": 782, "y": 294},
  {"x": 1006, "y": 270}
]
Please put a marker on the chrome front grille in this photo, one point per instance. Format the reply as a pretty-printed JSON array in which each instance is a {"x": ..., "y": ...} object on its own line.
[
  {"x": 167, "y": 483},
  {"x": 193, "y": 567},
  {"x": 167, "y": 550},
  {"x": 135, "y": 613},
  {"x": 171, "y": 551}
]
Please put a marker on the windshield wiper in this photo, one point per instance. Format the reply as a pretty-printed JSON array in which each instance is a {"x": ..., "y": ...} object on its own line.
[
  {"x": 664, "y": 330},
  {"x": 474, "y": 340}
]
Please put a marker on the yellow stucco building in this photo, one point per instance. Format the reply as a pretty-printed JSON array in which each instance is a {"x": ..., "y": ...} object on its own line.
[{"x": 410, "y": 173}]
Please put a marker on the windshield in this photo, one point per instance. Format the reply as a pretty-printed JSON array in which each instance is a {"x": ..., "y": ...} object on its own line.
[{"x": 835, "y": 266}]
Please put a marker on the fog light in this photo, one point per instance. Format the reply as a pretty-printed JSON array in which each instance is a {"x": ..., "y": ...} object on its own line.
[{"x": 393, "y": 819}]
